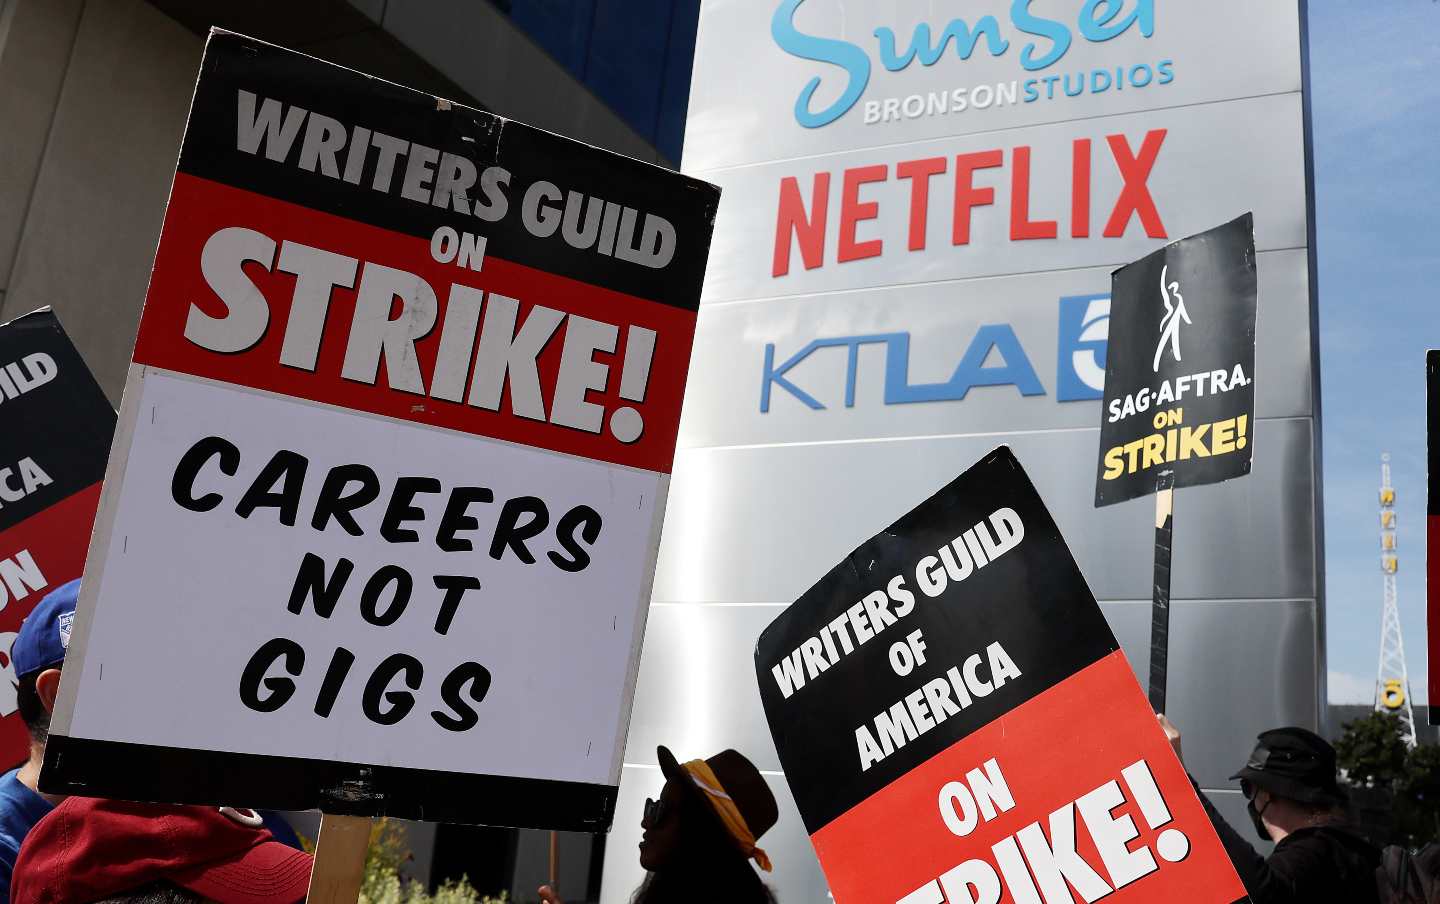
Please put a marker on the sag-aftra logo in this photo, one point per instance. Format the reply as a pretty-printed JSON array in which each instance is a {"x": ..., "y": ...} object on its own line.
[{"x": 1036, "y": 42}]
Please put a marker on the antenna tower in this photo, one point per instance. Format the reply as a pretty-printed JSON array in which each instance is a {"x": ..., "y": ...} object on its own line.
[{"x": 1392, "y": 685}]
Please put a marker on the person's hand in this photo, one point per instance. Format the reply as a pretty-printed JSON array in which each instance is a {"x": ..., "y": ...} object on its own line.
[
  {"x": 1173, "y": 734},
  {"x": 548, "y": 896}
]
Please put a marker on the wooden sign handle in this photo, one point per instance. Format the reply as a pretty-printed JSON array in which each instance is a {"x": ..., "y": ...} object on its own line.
[
  {"x": 555, "y": 861},
  {"x": 339, "y": 859},
  {"x": 1160, "y": 596}
]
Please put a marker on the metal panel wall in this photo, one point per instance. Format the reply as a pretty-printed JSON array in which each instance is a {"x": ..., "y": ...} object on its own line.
[
  {"x": 829, "y": 397},
  {"x": 745, "y": 85}
]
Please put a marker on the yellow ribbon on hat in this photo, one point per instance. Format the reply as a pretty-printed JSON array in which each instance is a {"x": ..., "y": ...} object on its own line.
[{"x": 704, "y": 778}]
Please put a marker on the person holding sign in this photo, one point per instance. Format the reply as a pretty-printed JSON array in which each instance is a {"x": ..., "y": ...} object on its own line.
[
  {"x": 1293, "y": 799},
  {"x": 36, "y": 656},
  {"x": 701, "y": 833}
]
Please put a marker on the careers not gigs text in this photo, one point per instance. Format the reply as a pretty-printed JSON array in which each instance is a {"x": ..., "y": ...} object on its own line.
[{"x": 350, "y": 498}]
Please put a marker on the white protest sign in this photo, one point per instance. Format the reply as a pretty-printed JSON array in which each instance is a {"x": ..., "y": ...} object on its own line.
[{"x": 381, "y": 517}]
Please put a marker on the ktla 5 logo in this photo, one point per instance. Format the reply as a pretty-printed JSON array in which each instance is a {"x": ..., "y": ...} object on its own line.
[{"x": 994, "y": 357}]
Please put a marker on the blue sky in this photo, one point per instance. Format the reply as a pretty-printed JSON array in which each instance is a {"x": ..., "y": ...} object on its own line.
[{"x": 1375, "y": 97}]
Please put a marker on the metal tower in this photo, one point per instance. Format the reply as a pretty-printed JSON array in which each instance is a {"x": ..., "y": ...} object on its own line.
[{"x": 1392, "y": 685}]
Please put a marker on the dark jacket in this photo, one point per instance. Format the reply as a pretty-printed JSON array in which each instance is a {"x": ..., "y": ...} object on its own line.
[{"x": 1325, "y": 865}]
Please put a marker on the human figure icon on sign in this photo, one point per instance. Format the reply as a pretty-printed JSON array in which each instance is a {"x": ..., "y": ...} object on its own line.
[{"x": 1170, "y": 323}]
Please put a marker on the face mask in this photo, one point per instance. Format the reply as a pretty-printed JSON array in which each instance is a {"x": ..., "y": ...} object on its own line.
[{"x": 1256, "y": 820}]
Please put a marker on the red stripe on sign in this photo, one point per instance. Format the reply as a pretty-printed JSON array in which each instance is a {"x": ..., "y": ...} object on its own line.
[
  {"x": 1432, "y": 607},
  {"x": 259, "y": 292},
  {"x": 1076, "y": 788},
  {"x": 36, "y": 556}
]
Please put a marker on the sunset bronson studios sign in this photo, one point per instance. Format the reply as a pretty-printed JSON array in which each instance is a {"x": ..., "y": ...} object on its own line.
[
  {"x": 1046, "y": 42},
  {"x": 922, "y": 206}
]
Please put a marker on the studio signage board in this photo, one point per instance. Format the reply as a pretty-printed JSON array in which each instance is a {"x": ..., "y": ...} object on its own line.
[
  {"x": 55, "y": 432},
  {"x": 382, "y": 512},
  {"x": 808, "y": 76},
  {"x": 923, "y": 204},
  {"x": 957, "y": 723},
  {"x": 1180, "y": 366}
]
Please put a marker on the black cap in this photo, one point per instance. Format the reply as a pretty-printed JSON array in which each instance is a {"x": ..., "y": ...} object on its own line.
[{"x": 1294, "y": 763}]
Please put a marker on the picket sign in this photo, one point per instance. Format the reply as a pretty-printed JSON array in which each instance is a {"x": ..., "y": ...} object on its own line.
[
  {"x": 918, "y": 692},
  {"x": 53, "y": 448},
  {"x": 1179, "y": 407},
  {"x": 339, "y": 859},
  {"x": 385, "y": 510}
]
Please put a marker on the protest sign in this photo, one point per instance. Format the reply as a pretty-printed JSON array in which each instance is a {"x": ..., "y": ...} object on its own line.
[
  {"x": 1179, "y": 404},
  {"x": 381, "y": 519},
  {"x": 957, "y": 722},
  {"x": 55, "y": 431},
  {"x": 1432, "y": 525},
  {"x": 1180, "y": 366}
]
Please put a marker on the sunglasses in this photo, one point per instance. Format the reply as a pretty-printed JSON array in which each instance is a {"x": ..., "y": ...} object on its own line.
[
  {"x": 1247, "y": 788},
  {"x": 655, "y": 811}
]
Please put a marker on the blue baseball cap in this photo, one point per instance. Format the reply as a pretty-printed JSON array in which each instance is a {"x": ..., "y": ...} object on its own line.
[{"x": 45, "y": 635}]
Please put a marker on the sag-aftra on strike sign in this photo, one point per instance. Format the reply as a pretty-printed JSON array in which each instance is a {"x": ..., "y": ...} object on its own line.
[
  {"x": 958, "y": 724},
  {"x": 380, "y": 523},
  {"x": 1180, "y": 366}
]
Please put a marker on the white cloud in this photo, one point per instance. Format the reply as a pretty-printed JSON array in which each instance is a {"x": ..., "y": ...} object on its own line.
[{"x": 1344, "y": 687}]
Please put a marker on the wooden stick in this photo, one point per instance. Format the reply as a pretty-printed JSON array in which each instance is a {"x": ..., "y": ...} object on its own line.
[
  {"x": 555, "y": 862},
  {"x": 339, "y": 859},
  {"x": 1160, "y": 596}
]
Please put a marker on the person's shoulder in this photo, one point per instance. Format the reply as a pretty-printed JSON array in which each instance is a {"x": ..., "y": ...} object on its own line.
[
  {"x": 12, "y": 834},
  {"x": 13, "y": 792},
  {"x": 20, "y": 809},
  {"x": 1337, "y": 844},
  {"x": 1326, "y": 842},
  {"x": 1344, "y": 834},
  {"x": 1335, "y": 831}
]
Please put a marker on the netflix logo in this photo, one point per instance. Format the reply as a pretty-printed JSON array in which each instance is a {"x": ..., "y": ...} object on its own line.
[{"x": 971, "y": 180}]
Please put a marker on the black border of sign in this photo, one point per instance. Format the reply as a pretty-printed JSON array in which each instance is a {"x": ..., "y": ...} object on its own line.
[{"x": 163, "y": 774}]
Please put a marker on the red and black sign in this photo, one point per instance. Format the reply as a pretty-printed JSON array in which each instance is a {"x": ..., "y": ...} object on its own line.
[
  {"x": 1432, "y": 523},
  {"x": 1180, "y": 366},
  {"x": 349, "y": 241},
  {"x": 957, "y": 722},
  {"x": 55, "y": 431}
]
